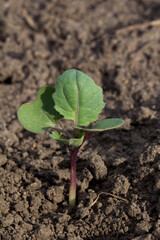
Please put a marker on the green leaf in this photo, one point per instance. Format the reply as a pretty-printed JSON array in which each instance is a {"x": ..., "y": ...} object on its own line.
[
  {"x": 58, "y": 137},
  {"x": 76, "y": 142},
  {"x": 104, "y": 125},
  {"x": 78, "y": 98},
  {"x": 40, "y": 115}
]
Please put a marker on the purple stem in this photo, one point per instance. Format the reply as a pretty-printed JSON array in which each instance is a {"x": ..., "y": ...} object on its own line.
[
  {"x": 73, "y": 157},
  {"x": 72, "y": 190}
]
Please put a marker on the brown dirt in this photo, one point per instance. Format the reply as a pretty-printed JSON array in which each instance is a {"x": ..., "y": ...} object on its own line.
[{"x": 38, "y": 41}]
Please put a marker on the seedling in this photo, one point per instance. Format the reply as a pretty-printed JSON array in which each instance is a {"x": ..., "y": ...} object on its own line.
[{"x": 76, "y": 97}]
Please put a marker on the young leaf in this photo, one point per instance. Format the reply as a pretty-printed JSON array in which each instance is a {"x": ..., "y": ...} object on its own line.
[
  {"x": 104, "y": 125},
  {"x": 59, "y": 137},
  {"x": 40, "y": 115},
  {"x": 76, "y": 142},
  {"x": 78, "y": 98}
]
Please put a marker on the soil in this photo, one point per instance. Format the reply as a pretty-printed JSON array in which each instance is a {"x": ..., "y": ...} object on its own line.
[{"x": 39, "y": 40}]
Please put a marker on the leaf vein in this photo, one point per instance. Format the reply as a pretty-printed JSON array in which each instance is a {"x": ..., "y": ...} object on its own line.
[
  {"x": 77, "y": 110},
  {"x": 66, "y": 97}
]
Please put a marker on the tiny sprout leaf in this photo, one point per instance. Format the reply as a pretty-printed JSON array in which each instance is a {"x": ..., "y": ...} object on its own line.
[
  {"x": 104, "y": 125},
  {"x": 40, "y": 115},
  {"x": 78, "y": 98},
  {"x": 76, "y": 142},
  {"x": 58, "y": 137}
]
